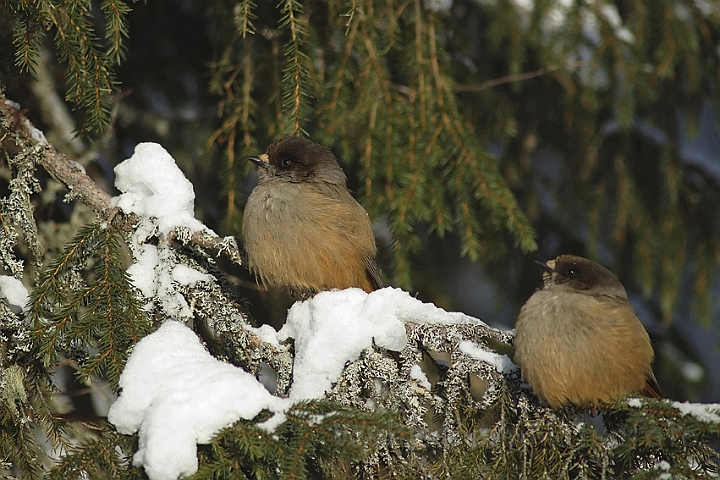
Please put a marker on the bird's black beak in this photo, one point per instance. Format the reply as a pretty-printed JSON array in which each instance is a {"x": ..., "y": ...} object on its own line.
[
  {"x": 259, "y": 161},
  {"x": 545, "y": 267}
]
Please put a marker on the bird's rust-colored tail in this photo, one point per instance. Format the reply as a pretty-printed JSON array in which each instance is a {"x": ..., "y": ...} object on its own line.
[{"x": 652, "y": 389}]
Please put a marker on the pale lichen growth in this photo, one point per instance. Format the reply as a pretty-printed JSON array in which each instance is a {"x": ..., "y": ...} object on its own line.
[{"x": 17, "y": 211}]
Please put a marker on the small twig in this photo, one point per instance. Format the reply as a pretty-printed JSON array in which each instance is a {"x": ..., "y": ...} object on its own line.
[{"x": 517, "y": 77}]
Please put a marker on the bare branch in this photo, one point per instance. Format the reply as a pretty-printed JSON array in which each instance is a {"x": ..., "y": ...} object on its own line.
[
  {"x": 517, "y": 78},
  {"x": 18, "y": 135}
]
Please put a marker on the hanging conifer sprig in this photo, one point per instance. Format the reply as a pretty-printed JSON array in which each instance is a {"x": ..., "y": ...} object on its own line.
[
  {"x": 27, "y": 36},
  {"x": 296, "y": 78},
  {"x": 89, "y": 61},
  {"x": 234, "y": 81},
  {"x": 84, "y": 297},
  {"x": 373, "y": 80},
  {"x": 422, "y": 164},
  {"x": 116, "y": 29}
]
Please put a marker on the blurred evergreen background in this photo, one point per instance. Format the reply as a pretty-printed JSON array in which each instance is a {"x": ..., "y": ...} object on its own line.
[{"x": 479, "y": 135}]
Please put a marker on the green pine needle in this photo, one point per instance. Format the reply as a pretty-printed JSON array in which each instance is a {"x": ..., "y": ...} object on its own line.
[{"x": 85, "y": 298}]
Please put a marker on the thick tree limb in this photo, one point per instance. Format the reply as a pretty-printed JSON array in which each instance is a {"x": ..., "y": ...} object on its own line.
[{"x": 18, "y": 136}]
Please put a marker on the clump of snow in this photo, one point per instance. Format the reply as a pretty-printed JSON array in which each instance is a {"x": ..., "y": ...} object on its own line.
[
  {"x": 177, "y": 395},
  {"x": 35, "y": 134},
  {"x": 153, "y": 186},
  {"x": 142, "y": 271},
  {"x": 707, "y": 413},
  {"x": 417, "y": 374},
  {"x": 156, "y": 190},
  {"x": 703, "y": 412},
  {"x": 152, "y": 273},
  {"x": 273, "y": 422},
  {"x": 14, "y": 292},
  {"x": 664, "y": 467},
  {"x": 185, "y": 275},
  {"x": 502, "y": 363},
  {"x": 267, "y": 334},
  {"x": 10, "y": 103},
  {"x": 333, "y": 328},
  {"x": 400, "y": 303}
]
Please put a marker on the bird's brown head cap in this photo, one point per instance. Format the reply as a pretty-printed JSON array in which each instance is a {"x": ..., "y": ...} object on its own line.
[
  {"x": 295, "y": 159},
  {"x": 580, "y": 275}
]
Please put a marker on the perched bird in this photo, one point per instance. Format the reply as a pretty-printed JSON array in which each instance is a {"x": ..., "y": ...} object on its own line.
[
  {"x": 578, "y": 339},
  {"x": 302, "y": 229}
]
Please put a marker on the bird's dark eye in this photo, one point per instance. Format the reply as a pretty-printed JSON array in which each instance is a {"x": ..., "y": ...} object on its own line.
[
  {"x": 571, "y": 273},
  {"x": 285, "y": 162}
]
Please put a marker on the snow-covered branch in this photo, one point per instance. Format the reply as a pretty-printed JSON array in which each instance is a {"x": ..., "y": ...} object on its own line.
[
  {"x": 207, "y": 375},
  {"x": 19, "y": 137}
]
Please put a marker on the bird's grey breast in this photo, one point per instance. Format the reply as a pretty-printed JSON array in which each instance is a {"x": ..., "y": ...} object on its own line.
[{"x": 280, "y": 202}]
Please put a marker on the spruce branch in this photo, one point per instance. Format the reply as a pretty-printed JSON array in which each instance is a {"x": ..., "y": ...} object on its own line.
[
  {"x": 317, "y": 438},
  {"x": 24, "y": 406},
  {"x": 89, "y": 75},
  {"x": 405, "y": 128},
  {"x": 421, "y": 165},
  {"x": 26, "y": 39},
  {"x": 19, "y": 136},
  {"x": 55, "y": 111},
  {"x": 236, "y": 81},
  {"x": 102, "y": 312},
  {"x": 296, "y": 78},
  {"x": 106, "y": 454},
  {"x": 116, "y": 29},
  {"x": 17, "y": 213},
  {"x": 245, "y": 17}
]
